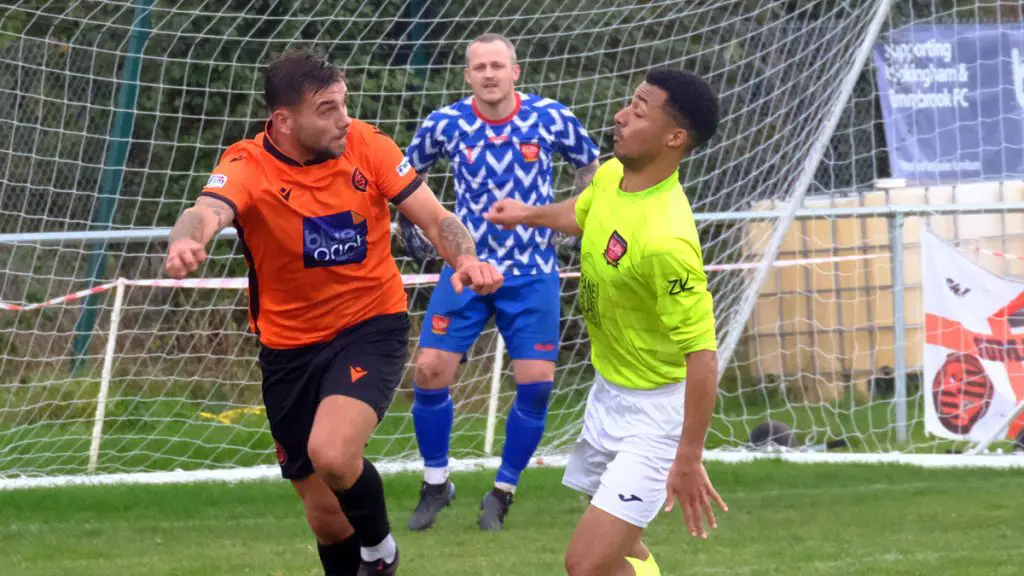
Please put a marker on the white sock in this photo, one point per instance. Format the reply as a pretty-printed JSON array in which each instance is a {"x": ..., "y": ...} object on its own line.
[
  {"x": 435, "y": 475},
  {"x": 386, "y": 550},
  {"x": 510, "y": 488}
]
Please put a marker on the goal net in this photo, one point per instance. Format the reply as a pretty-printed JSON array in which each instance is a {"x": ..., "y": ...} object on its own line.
[{"x": 112, "y": 115}]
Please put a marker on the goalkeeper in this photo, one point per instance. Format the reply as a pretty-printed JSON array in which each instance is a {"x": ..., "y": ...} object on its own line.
[
  {"x": 499, "y": 143},
  {"x": 644, "y": 295}
]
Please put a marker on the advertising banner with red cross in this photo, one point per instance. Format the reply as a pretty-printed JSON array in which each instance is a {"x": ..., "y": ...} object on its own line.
[{"x": 974, "y": 345}]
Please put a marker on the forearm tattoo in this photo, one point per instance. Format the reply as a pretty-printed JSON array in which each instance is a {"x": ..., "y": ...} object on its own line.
[
  {"x": 456, "y": 240},
  {"x": 192, "y": 224},
  {"x": 225, "y": 215},
  {"x": 189, "y": 225}
]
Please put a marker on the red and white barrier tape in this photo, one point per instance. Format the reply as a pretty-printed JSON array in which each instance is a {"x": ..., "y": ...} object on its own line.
[
  {"x": 408, "y": 279},
  {"x": 794, "y": 262},
  {"x": 59, "y": 300},
  {"x": 999, "y": 254},
  {"x": 228, "y": 283}
]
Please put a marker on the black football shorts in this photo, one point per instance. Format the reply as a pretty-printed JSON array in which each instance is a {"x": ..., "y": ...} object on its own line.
[{"x": 364, "y": 362}]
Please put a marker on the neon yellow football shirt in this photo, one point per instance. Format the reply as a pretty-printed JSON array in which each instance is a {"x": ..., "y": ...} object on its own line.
[{"x": 643, "y": 290}]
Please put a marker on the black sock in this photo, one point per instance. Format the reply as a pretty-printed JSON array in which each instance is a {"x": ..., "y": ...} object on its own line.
[
  {"x": 364, "y": 506},
  {"x": 341, "y": 558}
]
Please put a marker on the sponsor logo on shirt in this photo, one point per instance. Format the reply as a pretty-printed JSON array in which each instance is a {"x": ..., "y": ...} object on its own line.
[
  {"x": 404, "y": 167},
  {"x": 334, "y": 240},
  {"x": 589, "y": 294},
  {"x": 679, "y": 285},
  {"x": 217, "y": 181}
]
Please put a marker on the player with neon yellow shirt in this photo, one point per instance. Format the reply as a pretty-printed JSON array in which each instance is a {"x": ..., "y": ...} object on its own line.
[{"x": 651, "y": 323}]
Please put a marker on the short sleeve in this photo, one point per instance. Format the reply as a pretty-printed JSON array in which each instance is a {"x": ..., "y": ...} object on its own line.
[
  {"x": 685, "y": 306},
  {"x": 428, "y": 142},
  {"x": 583, "y": 203},
  {"x": 572, "y": 140},
  {"x": 607, "y": 175},
  {"x": 233, "y": 180},
  {"x": 393, "y": 174}
]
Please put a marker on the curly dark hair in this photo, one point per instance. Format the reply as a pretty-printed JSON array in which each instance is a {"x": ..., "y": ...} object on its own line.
[{"x": 691, "y": 102}]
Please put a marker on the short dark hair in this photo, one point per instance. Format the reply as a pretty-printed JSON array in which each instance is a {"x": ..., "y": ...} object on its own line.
[
  {"x": 691, "y": 102},
  {"x": 296, "y": 73}
]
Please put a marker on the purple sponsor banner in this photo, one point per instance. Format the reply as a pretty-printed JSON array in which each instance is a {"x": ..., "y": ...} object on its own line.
[{"x": 952, "y": 101}]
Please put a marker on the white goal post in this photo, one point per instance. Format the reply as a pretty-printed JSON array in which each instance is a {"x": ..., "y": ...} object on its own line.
[{"x": 112, "y": 114}]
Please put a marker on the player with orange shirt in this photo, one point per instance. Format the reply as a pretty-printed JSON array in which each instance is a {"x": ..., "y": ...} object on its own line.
[{"x": 309, "y": 198}]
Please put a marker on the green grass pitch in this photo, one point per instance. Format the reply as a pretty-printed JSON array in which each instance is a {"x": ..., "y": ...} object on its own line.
[{"x": 791, "y": 519}]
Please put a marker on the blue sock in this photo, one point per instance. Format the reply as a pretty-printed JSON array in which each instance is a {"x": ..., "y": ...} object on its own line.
[
  {"x": 432, "y": 415},
  {"x": 524, "y": 429}
]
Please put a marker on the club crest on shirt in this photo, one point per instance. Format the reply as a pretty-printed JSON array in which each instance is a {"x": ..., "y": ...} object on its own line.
[
  {"x": 359, "y": 181},
  {"x": 530, "y": 150},
  {"x": 615, "y": 249}
]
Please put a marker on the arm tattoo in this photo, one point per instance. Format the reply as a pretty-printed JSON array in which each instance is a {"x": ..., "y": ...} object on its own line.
[
  {"x": 225, "y": 215},
  {"x": 583, "y": 176},
  {"x": 189, "y": 225},
  {"x": 192, "y": 223},
  {"x": 455, "y": 239}
]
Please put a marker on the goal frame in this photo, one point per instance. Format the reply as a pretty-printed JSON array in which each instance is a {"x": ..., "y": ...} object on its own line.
[
  {"x": 895, "y": 214},
  {"x": 799, "y": 179}
]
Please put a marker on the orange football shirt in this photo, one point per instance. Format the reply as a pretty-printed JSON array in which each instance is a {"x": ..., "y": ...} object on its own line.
[{"x": 316, "y": 237}]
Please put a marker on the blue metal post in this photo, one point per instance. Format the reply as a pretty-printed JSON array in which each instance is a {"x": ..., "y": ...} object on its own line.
[
  {"x": 417, "y": 30},
  {"x": 113, "y": 169}
]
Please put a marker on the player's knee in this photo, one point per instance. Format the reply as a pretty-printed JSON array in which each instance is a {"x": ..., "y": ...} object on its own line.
[
  {"x": 339, "y": 463},
  {"x": 327, "y": 521},
  {"x": 532, "y": 399},
  {"x": 533, "y": 370},
  {"x": 579, "y": 563},
  {"x": 433, "y": 371}
]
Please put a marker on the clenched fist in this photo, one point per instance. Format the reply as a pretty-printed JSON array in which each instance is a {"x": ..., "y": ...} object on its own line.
[
  {"x": 507, "y": 213},
  {"x": 183, "y": 257}
]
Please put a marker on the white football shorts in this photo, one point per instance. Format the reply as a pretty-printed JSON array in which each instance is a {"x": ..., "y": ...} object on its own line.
[{"x": 627, "y": 446}]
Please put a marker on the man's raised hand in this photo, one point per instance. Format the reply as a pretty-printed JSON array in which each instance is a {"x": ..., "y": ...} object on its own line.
[{"x": 507, "y": 213}]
